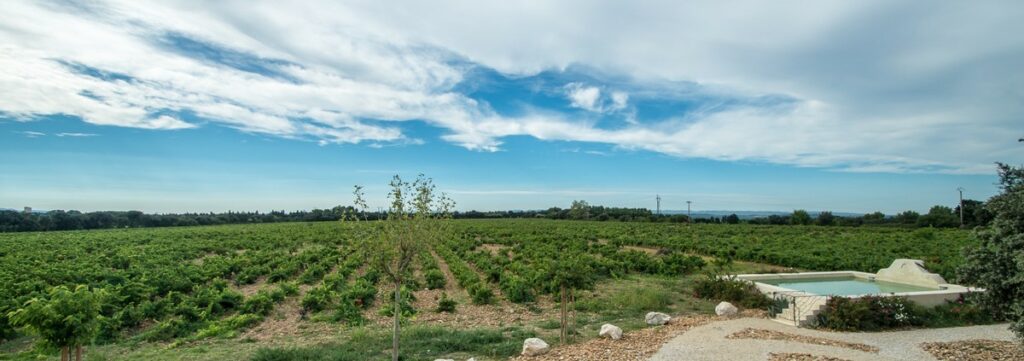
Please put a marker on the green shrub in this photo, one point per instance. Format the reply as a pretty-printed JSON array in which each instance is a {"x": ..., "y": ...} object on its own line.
[
  {"x": 317, "y": 299},
  {"x": 517, "y": 290},
  {"x": 869, "y": 313},
  {"x": 435, "y": 279},
  {"x": 260, "y": 303},
  {"x": 741, "y": 293},
  {"x": 362, "y": 293},
  {"x": 481, "y": 295},
  {"x": 288, "y": 288},
  {"x": 446, "y": 304}
]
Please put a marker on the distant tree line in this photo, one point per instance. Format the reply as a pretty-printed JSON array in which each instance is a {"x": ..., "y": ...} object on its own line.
[{"x": 975, "y": 214}]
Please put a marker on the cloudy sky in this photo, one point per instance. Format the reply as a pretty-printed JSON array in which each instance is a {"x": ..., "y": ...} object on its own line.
[{"x": 196, "y": 105}]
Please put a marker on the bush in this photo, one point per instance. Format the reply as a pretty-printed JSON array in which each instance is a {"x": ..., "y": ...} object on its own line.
[
  {"x": 517, "y": 290},
  {"x": 481, "y": 295},
  {"x": 446, "y": 304},
  {"x": 435, "y": 279},
  {"x": 317, "y": 299},
  {"x": 869, "y": 313},
  {"x": 741, "y": 293},
  {"x": 259, "y": 304}
]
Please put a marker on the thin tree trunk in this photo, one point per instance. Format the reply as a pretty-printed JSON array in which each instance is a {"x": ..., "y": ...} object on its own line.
[
  {"x": 561, "y": 335},
  {"x": 78, "y": 353},
  {"x": 65, "y": 354},
  {"x": 398, "y": 315},
  {"x": 572, "y": 305}
]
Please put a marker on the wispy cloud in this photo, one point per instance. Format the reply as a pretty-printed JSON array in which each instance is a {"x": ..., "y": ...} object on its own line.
[
  {"x": 32, "y": 134},
  {"x": 76, "y": 135}
]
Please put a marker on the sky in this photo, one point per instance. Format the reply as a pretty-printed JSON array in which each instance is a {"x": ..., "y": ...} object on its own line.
[{"x": 173, "y": 106}]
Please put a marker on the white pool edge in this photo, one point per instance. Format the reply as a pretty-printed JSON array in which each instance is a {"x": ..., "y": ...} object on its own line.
[{"x": 946, "y": 291}]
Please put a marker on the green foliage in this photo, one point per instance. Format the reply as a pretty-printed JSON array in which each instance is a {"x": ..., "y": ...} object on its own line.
[
  {"x": 445, "y": 304},
  {"x": 997, "y": 263},
  {"x": 481, "y": 295},
  {"x": 318, "y": 298},
  {"x": 741, "y": 293},
  {"x": 63, "y": 317},
  {"x": 388, "y": 309},
  {"x": 435, "y": 279},
  {"x": 869, "y": 313}
]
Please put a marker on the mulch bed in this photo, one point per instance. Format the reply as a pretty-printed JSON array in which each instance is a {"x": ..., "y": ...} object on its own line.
[
  {"x": 761, "y": 334},
  {"x": 971, "y": 350}
]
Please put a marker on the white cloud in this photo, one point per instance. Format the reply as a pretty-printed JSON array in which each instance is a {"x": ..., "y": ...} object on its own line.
[
  {"x": 584, "y": 97},
  {"x": 874, "y": 88},
  {"x": 33, "y": 134},
  {"x": 76, "y": 135}
]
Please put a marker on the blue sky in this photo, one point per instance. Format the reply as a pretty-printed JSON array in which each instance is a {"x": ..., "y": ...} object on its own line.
[{"x": 184, "y": 106}]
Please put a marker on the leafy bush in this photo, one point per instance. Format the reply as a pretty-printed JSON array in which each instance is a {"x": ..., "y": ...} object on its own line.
[
  {"x": 362, "y": 293},
  {"x": 405, "y": 305},
  {"x": 869, "y": 313},
  {"x": 517, "y": 290},
  {"x": 63, "y": 318},
  {"x": 317, "y": 299},
  {"x": 481, "y": 295},
  {"x": 741, "y": 293},
  {"x": 435, "y": 279},
  {"x": 446, "y": 304},
  {"x": 260, "y": 303}
]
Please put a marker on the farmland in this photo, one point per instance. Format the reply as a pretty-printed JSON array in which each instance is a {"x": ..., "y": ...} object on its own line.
[{"x": 182, "y": 287}]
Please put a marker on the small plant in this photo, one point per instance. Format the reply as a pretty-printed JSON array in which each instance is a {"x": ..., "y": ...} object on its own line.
[
  {"x": 446, "y": 304},
  {"x": 481, "y": 295},
  {"x": 741, "y": 293},
  {"x": 435, "y": 279},
  {"x": 869, "y": 313}
]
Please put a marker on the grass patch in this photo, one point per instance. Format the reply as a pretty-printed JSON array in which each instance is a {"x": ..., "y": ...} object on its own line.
[{"x": 418, "y": 343}]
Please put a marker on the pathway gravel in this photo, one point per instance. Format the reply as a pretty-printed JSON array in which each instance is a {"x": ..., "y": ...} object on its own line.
[{"x": 709, "y": 342}]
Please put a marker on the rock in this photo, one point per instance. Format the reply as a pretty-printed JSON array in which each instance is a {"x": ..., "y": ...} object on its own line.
[
  {"x": 610, "y": 331},
  {"x": 472, "y": 359},
  {"x": 726, "y": 309},
  {"x": 443, "y": 359},
  {"x": 535, "y": 347},
  {"x": 657, "y": 318}
]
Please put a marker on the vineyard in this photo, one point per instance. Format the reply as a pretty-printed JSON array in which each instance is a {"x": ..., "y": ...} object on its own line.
[{"x": 187, "y": 284}]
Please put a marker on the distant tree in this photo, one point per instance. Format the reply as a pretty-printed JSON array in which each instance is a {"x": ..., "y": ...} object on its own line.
[
  {"x": 874, "y": 218},
  {"x": 416, "y": 220},
  {"x": 64, "y": 318},
  {"x": 579, "y": 210},
  {"x": 800, "y": 217},
  {"x": 908, "y": 218},
  {"x": 939, "y": 216},
  {"x": 975, "y": 213},
  {"x": 732, "y": 219},
  {"x": 997, "y": 262},
  {"x": 825, "y": 218}
]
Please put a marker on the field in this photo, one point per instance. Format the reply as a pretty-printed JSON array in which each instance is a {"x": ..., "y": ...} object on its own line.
[{"x": 236, "y": 291}]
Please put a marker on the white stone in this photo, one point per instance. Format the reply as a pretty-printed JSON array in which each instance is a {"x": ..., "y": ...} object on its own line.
[
  {"x": 726, "y": 309},
  {"x": 535, "y": 347},
  {"x": 657, "y": 318},
  {"x": 610, "y": 331},
  {"x": 443, "y": 359},
  {"x": 472, "y": 359}
]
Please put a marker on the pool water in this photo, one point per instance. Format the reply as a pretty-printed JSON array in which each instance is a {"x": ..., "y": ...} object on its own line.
[{"x": 846, "y": 286}]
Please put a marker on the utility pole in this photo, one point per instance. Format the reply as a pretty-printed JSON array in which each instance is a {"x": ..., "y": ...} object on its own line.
[
  {"x": 658, "y": 199},
  {"x": 688, "y": 219},
  {"x": 961, "y": 189}
]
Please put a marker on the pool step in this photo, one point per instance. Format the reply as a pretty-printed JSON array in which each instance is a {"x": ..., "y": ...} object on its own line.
[{"x": 802, "y": 310}]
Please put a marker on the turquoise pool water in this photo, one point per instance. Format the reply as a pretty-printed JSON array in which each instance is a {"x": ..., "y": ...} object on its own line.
[{"x": 845, "y": 286}]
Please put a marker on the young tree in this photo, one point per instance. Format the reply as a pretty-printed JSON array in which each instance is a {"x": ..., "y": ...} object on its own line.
[
  {"x": 825, "y": 218},
  {"x": 416, "y": 220},
  {"x": 997, "y": 263},
  {"x": 64, "y": 319},
  {"x": 570, "y": 272}
]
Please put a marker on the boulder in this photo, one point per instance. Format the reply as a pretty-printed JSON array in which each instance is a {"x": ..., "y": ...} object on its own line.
[
  {"x": 657, "y": 318},
  {"x": 610, "y": 331},
  {"x": 443, "y": 359},
  {"x": 535, "y": 347},
  {"x": 726, "y": 309},
  {"x": 472, "y": 359}
]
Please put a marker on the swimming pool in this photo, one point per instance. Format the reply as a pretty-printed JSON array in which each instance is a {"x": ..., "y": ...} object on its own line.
[{"x": 845, "y": 286}]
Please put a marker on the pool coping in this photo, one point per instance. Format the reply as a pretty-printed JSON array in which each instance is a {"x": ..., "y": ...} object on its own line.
[{"x": 936, "y": 297}]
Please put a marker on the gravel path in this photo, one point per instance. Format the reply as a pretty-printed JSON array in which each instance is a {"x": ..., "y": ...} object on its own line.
[{"x": 709, "y": 342}]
